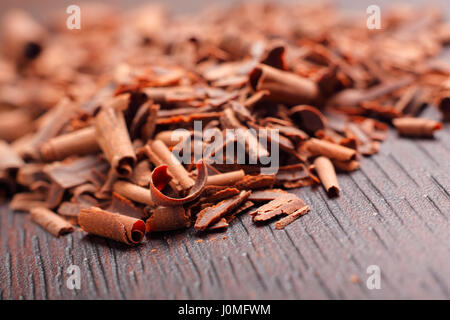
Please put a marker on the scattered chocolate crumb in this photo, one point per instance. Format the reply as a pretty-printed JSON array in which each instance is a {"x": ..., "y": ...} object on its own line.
[{"x": 354, "y": 278}]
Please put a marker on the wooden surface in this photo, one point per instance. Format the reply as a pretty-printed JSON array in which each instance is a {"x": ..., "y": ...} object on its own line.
[{"x": 393, "y": 213}]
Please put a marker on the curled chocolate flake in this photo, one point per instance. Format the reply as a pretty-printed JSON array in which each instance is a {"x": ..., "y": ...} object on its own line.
[
  {"x": 310, "y": 119},
  {"x": 110, "y": 225},
  {"x": 160, "y": 178}
]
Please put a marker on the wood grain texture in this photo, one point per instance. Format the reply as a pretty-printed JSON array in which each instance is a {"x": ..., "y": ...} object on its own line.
[{"x": 393, "y": 213}]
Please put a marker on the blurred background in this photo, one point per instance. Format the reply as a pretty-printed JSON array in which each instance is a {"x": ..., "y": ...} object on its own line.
[{"x": 41, "y": 7}]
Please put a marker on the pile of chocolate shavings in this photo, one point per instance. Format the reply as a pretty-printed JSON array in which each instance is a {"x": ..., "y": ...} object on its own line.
[{"x": 87, "y": 116}]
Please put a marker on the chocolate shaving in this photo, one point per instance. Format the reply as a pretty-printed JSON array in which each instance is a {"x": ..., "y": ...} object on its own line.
[
  {"x": 266, "y": 195},
  {"x": 226, "y": 179},
  {"x": 54, "y": 196},
  {"x": 416, "y": 127},
  {"x": 310, "y": 119},
  {"x": 70, "y": 211},
  {"x": 255, "y": 182},
  {"x": 71, "y": 173},
  {"x": 167, "y": 219},
  {"x": 51, "y": 222},
  {"x": 211, "y": 215},
  {"x": 221, "y": 224},
  {"x": 330, "y": 150},
  {"x": 285, "y": 204},
  {"x": 126, "y": 207},
  {"x": 133, "y": 192},
  {"x": 284, "y": 222},
  {"x": 141, "y": 174},
  {"x": 283, "y": 86},
  {"x": 220, "y": 195},
  {"x": 325, "y": 170},
  {"x": 114, "y": 140},
  {"x": 80, "y": 142},
  {"x": 26, "y": 201},
  {"x": 347, "y": 166},
  {"x": 225, "y": 222}
]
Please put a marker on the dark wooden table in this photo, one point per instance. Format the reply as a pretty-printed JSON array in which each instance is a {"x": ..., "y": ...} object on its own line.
[{"x": 393, "y": 213}]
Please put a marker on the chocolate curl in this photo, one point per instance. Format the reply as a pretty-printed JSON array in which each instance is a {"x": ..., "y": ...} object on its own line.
[
  {"x": 283, "y": 86},
  {"x": 275, "y": 57},
  {"x": 174, "y": 166},
  {"x": 80, "y": 142},
  {"x": 157, "y": 161},
  {"x": 167, "y": 219},
  {"x": 22, "y": 37},
  {"x": 255, "y": 98},
  {"x": 51, "y": 222},
  {"x": 226, "y": 179},
  {"x": 133, "y": 192},
  {"x": 114, "y": 140},
  {"x": 171, "y": 138},
  {"x": 347, "y": 166},
  {"x": 330, "y": 150},
  {"x": 27, "y": 200},
  {"x": 112, "y": 225},
  {"x": 149, "y": 126},
  {"x": 154, "y": 158},
  {"x": 309, "y": 118},
  {"x": 160, "y": 178},
  {"x": 327, "y": 174},
  {"x": 416, "y": 127},
  {"x": 254, "y": 149}
]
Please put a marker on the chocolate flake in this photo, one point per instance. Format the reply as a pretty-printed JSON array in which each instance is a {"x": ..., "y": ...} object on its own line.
[
  {"x": 210, "y": 215},
  {"x": 285, "y": 204}
]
